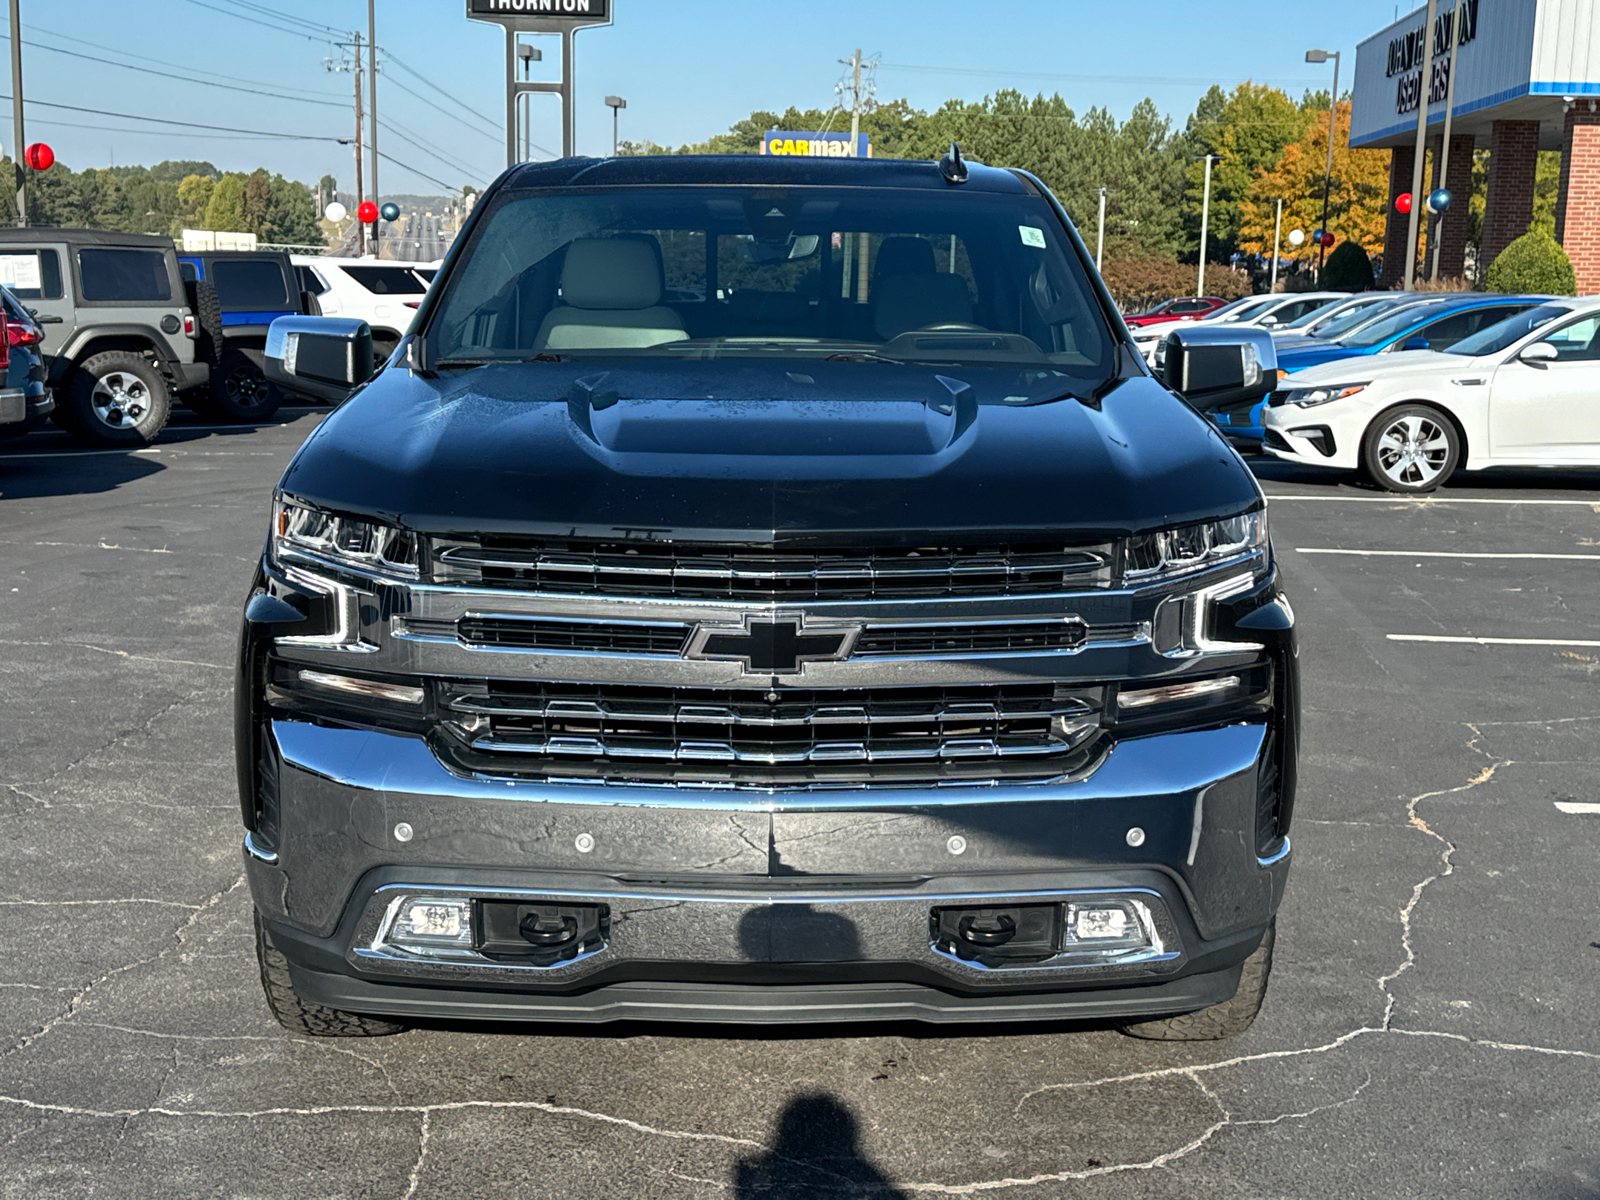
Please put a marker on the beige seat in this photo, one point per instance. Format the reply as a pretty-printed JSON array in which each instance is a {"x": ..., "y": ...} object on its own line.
[{"x": 612, "y": 288}]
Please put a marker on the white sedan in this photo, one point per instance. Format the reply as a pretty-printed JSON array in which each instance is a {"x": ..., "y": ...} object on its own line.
[{"x": 1522, "y": 393}]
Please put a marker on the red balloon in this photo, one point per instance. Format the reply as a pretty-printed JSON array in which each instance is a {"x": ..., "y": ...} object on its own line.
[
  {"x": 366, "y": 212},
  {"x": 39, "y": 156},
  {"x": 1327, "y": 239},
  {"x": 1402, "y": 203}
]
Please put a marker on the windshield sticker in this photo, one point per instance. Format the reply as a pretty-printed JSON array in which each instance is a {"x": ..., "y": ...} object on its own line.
[{"x": 1031, "y": 236}]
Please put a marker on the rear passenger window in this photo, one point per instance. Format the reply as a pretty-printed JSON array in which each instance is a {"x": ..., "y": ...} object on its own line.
[
  {"x": 128, "y": 276},
  {"x": 310, "y": 281},
  {"x": 387, "y": 281},
  {"x": 31, "y": 274},
  {"x": 249, "y": 284}
]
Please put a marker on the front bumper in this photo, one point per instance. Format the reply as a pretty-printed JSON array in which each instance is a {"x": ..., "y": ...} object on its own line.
[
  {"x": 1323, "y": 436},
  {"x": 728, "y": 906}
]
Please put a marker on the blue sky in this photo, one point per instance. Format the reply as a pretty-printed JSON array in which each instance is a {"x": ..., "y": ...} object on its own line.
[{"x": 688, "y": 69}]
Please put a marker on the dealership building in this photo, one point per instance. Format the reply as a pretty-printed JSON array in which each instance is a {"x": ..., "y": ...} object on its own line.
[{"x": 1527, "y": 79}]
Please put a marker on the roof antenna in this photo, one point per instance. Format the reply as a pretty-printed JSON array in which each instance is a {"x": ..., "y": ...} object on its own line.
[{"x": 952, "y": 167}]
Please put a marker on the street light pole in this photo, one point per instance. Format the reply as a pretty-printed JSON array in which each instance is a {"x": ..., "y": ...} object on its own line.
[
  {"x": 1205, "y": 221},
  {"x": 1100, "y": 235},
  {"x": 616, "y": 104},
  {"x": 529, "y": 55},
  {"x": 1423, "y": 88},
  {"x": 17, "y": 164},
  {"x": 1444, "y": 141},
  {"x": 1322, "y": 56},
  {"x": 1277, "y": 228},
  {"x": 372, "y": 106}
]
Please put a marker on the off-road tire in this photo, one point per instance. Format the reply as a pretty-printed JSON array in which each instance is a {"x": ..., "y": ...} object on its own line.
[
  {"x": 207, "y": 309},
  {"x": 1228, "y": 1019},
  {"x": 301, "y": 1016},
  {"x": 75, "y": 410},
  {"x": 240, "y": 392}
]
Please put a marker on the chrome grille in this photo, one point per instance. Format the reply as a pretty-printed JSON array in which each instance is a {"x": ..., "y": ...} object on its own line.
[
  {"x": 597, "y": 637},
  {"x": 768, "y": 574},
  {"x": 776, "y": 739},
  {"x": 997, "y": 637}
]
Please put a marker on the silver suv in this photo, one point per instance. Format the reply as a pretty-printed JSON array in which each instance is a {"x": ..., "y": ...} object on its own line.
[{"x": 119, "y": 335}]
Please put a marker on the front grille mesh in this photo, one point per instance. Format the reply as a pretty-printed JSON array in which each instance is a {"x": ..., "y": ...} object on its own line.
[
  {"x": 768, "y": 574},
  {"x": 791, "y": 738},
  {"x": 596, "y": 637}
]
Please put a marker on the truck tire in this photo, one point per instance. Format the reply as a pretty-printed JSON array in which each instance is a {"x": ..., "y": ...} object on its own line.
[
  {"x": 114, "y": 399},
  {"x": 207, "y": 310},
  {"x": 1228, "y": 1019},
  {"x": 301, "y": 1016},
  {"x": 239, "y": 390}
]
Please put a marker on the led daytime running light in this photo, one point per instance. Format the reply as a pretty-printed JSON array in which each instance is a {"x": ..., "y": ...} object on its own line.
[
  {"x": 1311, "y": 397},
  {"x": 1189, "y": 548},
  {"x": 344, "y": 541},
  {"x": 1195, "y": 690},
  {"x": 367, "y": 689}
]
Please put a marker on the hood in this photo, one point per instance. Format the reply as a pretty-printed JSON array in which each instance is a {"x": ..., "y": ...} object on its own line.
[
  {"x": 728, "y": 450},
  {"x": 1292, "y": 359},
  {"x": 1367, "y": 368}
]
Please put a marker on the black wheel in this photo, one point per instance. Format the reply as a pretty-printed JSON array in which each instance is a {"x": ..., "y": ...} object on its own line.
[
  {"x": 1413, "y": 448},
  {"x": 115, "y": 399},
  {"x": 301, "y": 1016},
  {"x": 1228, "y": 1019},
  {"x": 239, "y": 391},
  {"x": 207, "y": 310}
]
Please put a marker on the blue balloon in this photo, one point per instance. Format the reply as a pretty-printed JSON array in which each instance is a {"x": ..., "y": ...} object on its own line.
[
  {"x": 1439, "y": 200},
  {"x": 391, "y": 211}
]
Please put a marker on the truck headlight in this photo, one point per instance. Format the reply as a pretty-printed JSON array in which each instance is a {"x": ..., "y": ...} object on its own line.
[
  {"x": 1185, "y": 549},
  {"x": 1311, "y": 397},
  {"x": 301, "y": 531}
]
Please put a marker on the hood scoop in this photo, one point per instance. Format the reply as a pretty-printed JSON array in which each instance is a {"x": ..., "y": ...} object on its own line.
[{"x": 788, "y": 428}]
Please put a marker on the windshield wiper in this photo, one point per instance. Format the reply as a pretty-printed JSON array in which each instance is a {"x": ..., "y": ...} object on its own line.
[
  {"x": 864, "y": 356},
  {"x": 465, "y": 363}
]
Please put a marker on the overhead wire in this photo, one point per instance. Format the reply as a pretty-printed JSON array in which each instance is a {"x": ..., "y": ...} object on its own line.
[
  {"x": 127, "y": 116},
  {"x": 228, "y": 12}
]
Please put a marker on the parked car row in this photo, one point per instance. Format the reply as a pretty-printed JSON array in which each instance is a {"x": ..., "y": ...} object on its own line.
[{"x": 123, "y": 325}]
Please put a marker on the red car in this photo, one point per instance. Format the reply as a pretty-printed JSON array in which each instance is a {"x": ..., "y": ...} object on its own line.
[{"x": 1184, "y": 308}]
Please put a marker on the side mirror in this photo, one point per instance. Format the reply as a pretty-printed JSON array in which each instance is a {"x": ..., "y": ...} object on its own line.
[
  {"x": 327, "y": 357},
  {"x": 1220, "y": 369},
  {"x": 1538, "y": 352},
  {"x": 1415, "y": 342}
]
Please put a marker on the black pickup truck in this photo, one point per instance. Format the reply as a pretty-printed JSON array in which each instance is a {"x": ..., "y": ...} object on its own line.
[{"x": 767, "y": 589}]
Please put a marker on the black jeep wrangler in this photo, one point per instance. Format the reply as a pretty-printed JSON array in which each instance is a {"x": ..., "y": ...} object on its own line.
[{"x": 766, "y": 589}]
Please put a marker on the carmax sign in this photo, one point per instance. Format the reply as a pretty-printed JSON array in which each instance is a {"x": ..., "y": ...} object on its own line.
[{"x": 814, "y": 145}]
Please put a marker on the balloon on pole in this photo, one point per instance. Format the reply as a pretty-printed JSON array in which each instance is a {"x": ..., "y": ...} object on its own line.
[
  {"x": 1402, "y": 203},
  {"x": 366, "y": 212},
  {"x": 1439, "y": 200},
  {"x": 336, "y": 212},
  {"x": 1297, "y": 237},
  {"x": 390, "y": 211},
  {"x": 39, "y": 156}
]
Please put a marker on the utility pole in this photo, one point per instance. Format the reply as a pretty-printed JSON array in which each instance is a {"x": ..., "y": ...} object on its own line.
[
  {"x": 855, "y": 104},
  {"x": 1100, "y": 233},
  {"x": 355, "y": 58},
  {"x": 1205, "y": 222},
  {"x": 1437, "y": 238},
  {"x": 1424, "y": 87},
  {"x": 17, "y": 165},
  {"x": 1321, "y": 56},
  {"x": 372, "y": 96},
  {"x": 1277, "y": 228}
]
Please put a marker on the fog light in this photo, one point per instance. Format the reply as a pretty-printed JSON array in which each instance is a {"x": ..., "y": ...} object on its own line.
[
  {"x": 1199, "y": 689},
  {"x": 432, "y": 925},
  {"x": 1107, "y": 924}
]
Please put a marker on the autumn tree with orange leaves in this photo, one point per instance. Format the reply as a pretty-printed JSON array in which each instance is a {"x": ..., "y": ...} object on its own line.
[{"x": 1356, "y": 202}]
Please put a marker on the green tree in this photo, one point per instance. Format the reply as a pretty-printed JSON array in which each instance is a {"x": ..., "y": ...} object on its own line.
[
  {"x": 1348, "y": 269},
  {"x": 1534, "y": 263},
  {"x": 291, "y": 214},
  {"x": 1247, "y": 130},
  {"x": 176, "y": 170},
  {"x": 194, "y": 194},
  {"x": 225, "y": 207},
  {"x": 255, "y": 201}
]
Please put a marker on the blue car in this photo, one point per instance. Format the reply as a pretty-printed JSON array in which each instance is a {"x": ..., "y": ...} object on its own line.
[{"x": 1430, "y": 325}]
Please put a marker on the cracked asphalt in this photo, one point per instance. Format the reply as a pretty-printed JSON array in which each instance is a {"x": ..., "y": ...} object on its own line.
[{"x": 1431, "y": 1027}]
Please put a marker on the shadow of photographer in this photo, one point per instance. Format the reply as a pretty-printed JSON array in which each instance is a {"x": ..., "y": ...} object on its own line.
[{"x": 814, "y": 1152}]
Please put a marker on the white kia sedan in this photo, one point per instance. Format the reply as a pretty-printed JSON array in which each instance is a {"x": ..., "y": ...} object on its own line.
[{"x": 1521, "y": 393}]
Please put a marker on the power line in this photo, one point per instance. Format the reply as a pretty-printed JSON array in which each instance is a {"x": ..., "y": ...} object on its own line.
[
  {"x": 172, "y": 75},
  {"x": 279, "y": 15},
  {"x": 276, "y": 28},
  {"x": 127, "y": 116},
  {"x": 414, "y": 171},
  {"x": 997, "y": 73},
  {"x": 472, "y": 173},
  {"x": 447, "y": 95}
]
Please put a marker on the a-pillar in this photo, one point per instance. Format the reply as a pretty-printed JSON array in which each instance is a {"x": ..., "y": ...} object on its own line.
[
  {"x": 1578, "y": 202},
  {"x": 1401, "y": 161},
  {"x": 1453, "y": 239},
  {"x": 1508, "y": 207}
]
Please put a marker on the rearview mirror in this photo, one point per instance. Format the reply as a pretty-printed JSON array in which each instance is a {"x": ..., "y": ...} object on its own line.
[
  {"x": 327, "y": 357},
  {"x": 1220, "y": 369},
  {"x": 1538, "y": 352}
]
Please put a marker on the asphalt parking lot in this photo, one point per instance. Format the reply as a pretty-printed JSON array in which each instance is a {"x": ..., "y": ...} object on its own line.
[{"x": 1432, "y": 1027}]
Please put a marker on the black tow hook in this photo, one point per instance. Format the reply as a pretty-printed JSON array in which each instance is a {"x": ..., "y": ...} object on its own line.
[
  {"x": 986, "y": 930},
  {"x": 1014, "y": 935},
  {"x": 543, "y": 928}
]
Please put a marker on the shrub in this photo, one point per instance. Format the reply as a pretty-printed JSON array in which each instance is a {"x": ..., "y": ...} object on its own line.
[
  {"x": 1533, "y": 263},
  {"x": 1348, "y": 269},
  {"x": 1137, "y": 284},
  {"x": 1227, "y": 282}
]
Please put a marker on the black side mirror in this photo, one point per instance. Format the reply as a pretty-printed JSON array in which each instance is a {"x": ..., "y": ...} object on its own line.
[
  {"x": 327, "y": 357},
  {"x": 1220, "y": 369}
]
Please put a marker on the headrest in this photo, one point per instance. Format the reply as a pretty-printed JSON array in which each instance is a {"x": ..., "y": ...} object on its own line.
[
  {"x": 614, "y": 273},
  {"x": 908, "y": 302},
  {"x": 903, "y": 256}
]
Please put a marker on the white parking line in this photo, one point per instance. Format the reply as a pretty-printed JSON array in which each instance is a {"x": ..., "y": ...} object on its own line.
[
  {"x": 80, "y": 453},
  {"x": 1437, "y": 554},
  {"x": 1421, "y": 501},
  {"x": 1485, "y": 641},
  {"x": 1568, "y": 806}
]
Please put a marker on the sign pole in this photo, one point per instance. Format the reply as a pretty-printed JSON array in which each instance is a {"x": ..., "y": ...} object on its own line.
[
  {"x": 1277, "y": 228},
  {"x": 16, "y": 115},
  {"x": 1422, "y": 147},
  {"x": 1444, "y": 141},
  {"x": 1205, "y": 221}
]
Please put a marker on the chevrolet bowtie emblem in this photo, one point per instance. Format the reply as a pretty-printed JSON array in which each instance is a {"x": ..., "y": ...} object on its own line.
[{"x": 772, "y": 645}]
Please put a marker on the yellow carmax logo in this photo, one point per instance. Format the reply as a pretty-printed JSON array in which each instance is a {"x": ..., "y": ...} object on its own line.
[{"x": 811, "y": 147}]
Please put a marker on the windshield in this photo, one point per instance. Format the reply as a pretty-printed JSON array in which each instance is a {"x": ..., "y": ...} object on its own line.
[
  {"x": 1494, "y": 338},
  {"x": 1348, "y": 322},
  {"x": 678, "y": 273},
  {"x": 1319, "y": 318},
  {"x": 1253, "y": 306},
  {"x": 1233, "y": 306},
  {"x": 1393, "y": 324}
]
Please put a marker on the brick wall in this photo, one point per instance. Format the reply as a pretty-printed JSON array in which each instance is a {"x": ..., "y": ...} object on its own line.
[
  {"x": 1452, "y": 231},
  {"x": 1578, "y": 202},
  {"x": 1401, "y": 161},
  {"x": 1513, "y": 158}
]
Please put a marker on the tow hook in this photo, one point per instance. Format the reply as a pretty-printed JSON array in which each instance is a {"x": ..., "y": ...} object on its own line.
[
  {"x": 1001, "y": 935},
  {"x": 542, "y": 934}
]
